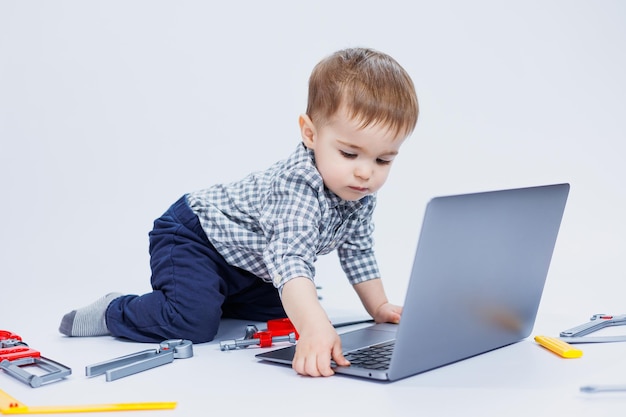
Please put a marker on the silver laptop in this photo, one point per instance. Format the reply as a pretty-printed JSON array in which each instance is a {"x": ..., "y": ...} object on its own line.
[{"x": 475, "y": 286}]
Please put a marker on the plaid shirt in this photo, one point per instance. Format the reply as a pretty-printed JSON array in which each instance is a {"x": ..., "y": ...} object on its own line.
[{"x": 276, "y": 222}]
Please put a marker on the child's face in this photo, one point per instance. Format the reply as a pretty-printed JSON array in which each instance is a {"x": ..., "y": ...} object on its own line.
[{"x": 353, "y": 161}]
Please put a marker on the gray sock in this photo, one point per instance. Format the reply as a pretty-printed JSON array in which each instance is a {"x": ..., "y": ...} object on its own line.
[{"x": 89, "y": 320}]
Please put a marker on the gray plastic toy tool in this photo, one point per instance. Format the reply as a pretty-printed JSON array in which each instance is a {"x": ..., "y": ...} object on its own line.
[
  {"x": 597, "y": 322},
  {"x": 142, "y": 361}
]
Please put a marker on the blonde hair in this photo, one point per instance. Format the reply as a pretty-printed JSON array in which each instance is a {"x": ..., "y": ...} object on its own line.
[{"x": 371, "y": 85}]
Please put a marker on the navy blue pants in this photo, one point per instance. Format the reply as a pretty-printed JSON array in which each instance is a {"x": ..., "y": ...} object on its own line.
[{"x": 192, "y": 287}]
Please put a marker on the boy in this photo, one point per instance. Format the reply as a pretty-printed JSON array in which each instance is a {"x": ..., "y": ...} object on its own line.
[{"x": 247, "y": 249}]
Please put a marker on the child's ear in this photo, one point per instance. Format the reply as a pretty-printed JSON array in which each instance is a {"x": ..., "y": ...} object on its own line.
[{"x": 307, "y": 130}]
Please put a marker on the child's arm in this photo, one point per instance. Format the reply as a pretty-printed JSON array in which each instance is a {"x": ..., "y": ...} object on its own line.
[
  {"x": 372, "y": 295},
  {"x": 318, "y": 342}
]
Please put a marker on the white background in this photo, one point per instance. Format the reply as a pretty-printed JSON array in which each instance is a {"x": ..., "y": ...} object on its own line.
[{"x": 111, "y": 110}]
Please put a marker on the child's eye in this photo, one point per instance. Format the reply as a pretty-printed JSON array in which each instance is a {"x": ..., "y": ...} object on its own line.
[
  {"x": 348, "y": 154},
  {"x": 383, "y": 161}
]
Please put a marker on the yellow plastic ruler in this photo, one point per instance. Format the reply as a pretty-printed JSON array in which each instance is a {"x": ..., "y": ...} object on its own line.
[{"x": 9, "y": 405}]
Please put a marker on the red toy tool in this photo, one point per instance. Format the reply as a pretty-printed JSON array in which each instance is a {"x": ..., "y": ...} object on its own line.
[
  {"x": 15, "y": 355},
  {"x": 278, "y": 330}
]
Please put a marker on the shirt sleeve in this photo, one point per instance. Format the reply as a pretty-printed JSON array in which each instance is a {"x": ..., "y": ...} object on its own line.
[
  {"x": 290, "y": 216},
  {"x": 356, "y": 255}
]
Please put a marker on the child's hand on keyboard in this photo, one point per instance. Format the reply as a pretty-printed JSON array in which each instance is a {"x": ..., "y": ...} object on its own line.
[{"x": 388, "y": 313}]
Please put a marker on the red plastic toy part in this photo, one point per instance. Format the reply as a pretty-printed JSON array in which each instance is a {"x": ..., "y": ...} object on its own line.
[
  {"x": 276, "y": 327},
  {"x": 280, "y": 327},
  {"x": 12, "y": 347}
]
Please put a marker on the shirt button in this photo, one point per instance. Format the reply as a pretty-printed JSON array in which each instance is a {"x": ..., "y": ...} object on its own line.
[{"x": 277, "y": 279}]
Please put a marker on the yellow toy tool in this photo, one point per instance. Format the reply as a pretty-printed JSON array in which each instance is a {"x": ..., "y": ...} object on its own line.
[
  {"x": 559, "y": 347},
  {"x": 9, "y": 405}
]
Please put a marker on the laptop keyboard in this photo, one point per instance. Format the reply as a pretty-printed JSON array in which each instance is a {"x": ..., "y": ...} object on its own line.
[{"x": 372, "y": 357}]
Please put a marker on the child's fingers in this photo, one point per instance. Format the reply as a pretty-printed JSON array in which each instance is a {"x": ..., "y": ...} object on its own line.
[{"x": 337, "y": 356}]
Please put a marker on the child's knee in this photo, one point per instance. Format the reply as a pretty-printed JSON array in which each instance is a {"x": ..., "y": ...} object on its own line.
[
  {"x": 202, "y": 334},
  {"x": 201, "y": 328}
]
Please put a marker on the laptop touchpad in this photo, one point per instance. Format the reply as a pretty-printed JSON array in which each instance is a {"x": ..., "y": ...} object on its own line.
[{"x": 369, "y": 336}]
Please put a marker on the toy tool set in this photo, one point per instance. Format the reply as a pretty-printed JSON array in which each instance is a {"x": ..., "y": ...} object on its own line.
[
  {"x": 16, "y": 358},
  {"x": 562, "y": 345}
]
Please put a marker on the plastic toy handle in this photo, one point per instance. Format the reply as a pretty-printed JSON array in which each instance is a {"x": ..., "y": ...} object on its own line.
[
  {"x": 559, "y": 347},
  {"x": 265, "y": 338}
]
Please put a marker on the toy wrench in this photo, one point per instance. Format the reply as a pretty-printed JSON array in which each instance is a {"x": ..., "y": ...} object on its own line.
[
  {"x": 142, "y": 361},
  {"x": 597, "y": 322}
]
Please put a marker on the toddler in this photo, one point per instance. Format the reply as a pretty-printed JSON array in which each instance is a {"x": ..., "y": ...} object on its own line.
[{"x": 247, "y": 249}]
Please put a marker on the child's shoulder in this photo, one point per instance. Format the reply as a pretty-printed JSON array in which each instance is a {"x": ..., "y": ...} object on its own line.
[{"x": 298, "y": 167}]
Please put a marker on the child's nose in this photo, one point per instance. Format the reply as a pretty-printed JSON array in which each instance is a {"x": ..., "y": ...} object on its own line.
[{"x": 363, "y": 171}]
